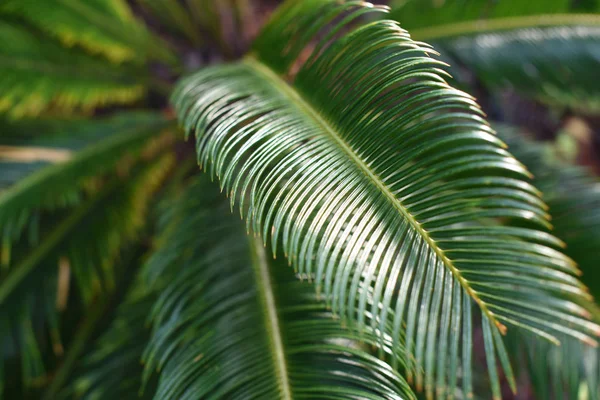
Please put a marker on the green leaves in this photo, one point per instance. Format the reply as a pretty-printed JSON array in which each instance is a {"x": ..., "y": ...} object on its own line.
[
  {"x": 417, "y": 15},
  {"x": 554, "y": 64},
  {"x": 574, "y": 199},
  {"x": 94, "y": 216},
  {"x": 533, "y": 47},
  {"x": 37, "y": 74},
  {"x": 106, "y": 27},
  {"x": 385, "y": 186},
  {"x": 86, "y": 244},
  {"x": 230, "y": 324},
  {"x": 101, "y": 145}
]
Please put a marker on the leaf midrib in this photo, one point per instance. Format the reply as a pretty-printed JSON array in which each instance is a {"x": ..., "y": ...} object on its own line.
[
  {"x": 263, "y": 70},
  {"x": 271, "y": 318}
]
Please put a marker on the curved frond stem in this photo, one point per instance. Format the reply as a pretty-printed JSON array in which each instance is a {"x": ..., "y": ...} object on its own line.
[
  {"x": 374, "y": 179},
  {"x": 448, "y": 31},
  {"x": 267, "y": 300},
  {"x": 230, "y": 323}
]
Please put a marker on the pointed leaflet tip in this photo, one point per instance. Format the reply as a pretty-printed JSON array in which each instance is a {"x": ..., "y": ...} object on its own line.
[{"x": 501, "y": 327}]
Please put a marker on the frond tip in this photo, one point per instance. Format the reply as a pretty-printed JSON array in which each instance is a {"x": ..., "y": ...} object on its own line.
[{"x": 386, "y": 186}]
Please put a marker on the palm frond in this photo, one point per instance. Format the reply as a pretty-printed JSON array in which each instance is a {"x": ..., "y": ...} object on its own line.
[
  {"x": 37, "y": 74},
  {"x": 113, "y": 368},
  {"x": 87, "y": 242},
  {"x": 555, "y": 64},
  {"x": 111, "y": 227},
  {"x": 417, "y": 15},
  {"x": 106, "y": 27},
  {"x": 379, "y": 179},
  {"x": 228, "y": 324},
  {"x": 534, "y": 47},
  {"x": 88, "y": 149},
  {"x": 574, "y": 199},
  {"x": 573, "y": 195}
]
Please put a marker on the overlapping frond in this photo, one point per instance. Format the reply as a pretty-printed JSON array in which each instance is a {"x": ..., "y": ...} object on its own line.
[
  {"x": 573, "y": 369},
  {"x": 111, "y": 226},
  {"x": 534, "y": 47},
  {"x": 554, "y": 64},
  {"x": 81, "y": 247},
  {"x": 423, "y": 15},
  {"x": 381, "y": 181},
  {"x": 37, "y": 74},
  {"x": 107, "y": 27},
  {"x": 88, "y": 149},
  {"x": 573, "y": 195},
  {"x": 229, "y": 324}
]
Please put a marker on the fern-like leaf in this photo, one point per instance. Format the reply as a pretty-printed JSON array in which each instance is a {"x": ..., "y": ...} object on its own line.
[
  {"x": 379, "y": 179},
  {"x": 534, "y": 47},
  {"x": 87, "y": 149},
  {"x": 229, "y": 324},
  {"x": 37, "y": 74},
  {"x": 553, "y": 64},
  {"x": 427, "y": 15},
  {"x": 87, "y": 242},
  {"x": 106, "y": 27},
  {"x": 574, "y": 199}
]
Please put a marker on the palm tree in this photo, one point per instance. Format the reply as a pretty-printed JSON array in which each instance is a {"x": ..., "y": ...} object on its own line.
[{"x": 422, "y": 260}]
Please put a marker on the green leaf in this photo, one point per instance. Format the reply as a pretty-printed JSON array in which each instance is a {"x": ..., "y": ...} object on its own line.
[
  {"x": 379, "y": 179},
  {"x": 230, "y": 324},
  {"x": 106, "y": 27},
  {"x": 113, "y": 368},
  {"x": 554, "y": 64},
  {"x": 87, "y": 149},
  {"x": 442, "y": 15},
  {"x": 87, "y": 242},
  {"x": 36, "y": 75},
  {"x": 573, "y": 195},
  {"x": 534, "y": 47}
]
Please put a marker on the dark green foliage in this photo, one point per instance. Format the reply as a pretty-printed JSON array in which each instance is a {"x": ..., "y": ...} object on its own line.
[
  {"x": 231, "y": 324},
  {"x": 99, "y": 146},
  {"x": 107, "y": 27},
  {"x": 564, "y": 58},
  {"x": 508, "y": 45},
  {"x": 573, "y": 196},
  {"x": 111, "y": 218},
  {"x": 350, "y": 156},
  {"x": 427, "y": 14},
  {"x": 37, "y": 74},
  {"x": 112, "y": 370},
  {"x": 366, "y": 198}
]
